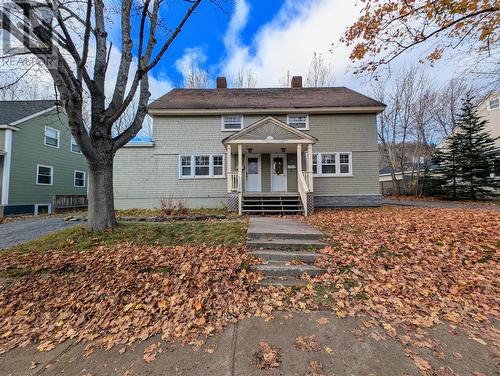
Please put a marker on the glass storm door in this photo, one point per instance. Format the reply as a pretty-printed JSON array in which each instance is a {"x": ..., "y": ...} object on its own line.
[
  {"x": 278, "y": 173},
  {"x": 252, "y": 169}
]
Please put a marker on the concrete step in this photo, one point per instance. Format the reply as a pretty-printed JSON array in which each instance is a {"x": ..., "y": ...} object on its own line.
[
  {"x": 280, "y": 268},
  {"x": 274, "y": 255},
  {"x": 270, "y": 235},
  {"x": 283, "y": 282},
  {"x": 286, "y": 244}
]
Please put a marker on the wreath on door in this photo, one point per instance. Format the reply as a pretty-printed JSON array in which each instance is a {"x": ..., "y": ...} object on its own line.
[{"x": 278, "y": 168}]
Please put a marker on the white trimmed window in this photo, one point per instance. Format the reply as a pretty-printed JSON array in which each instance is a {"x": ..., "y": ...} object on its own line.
[
  {"x": 44, "y": 175},
  {"x": 74, "y": 146},
  {"x": 232, "y": 122},
  {"x": 79, "y": 179},
  {"x": 332, "y": 164},
  {"x": 51, "y": 137},
  {"x": 201, "y": 166},
  {"x": 494, "y": 104},
  {"x": 298, "y": 121}
]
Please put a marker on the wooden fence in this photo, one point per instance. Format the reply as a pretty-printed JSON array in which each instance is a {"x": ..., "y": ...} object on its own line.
[{"x": 63, "y": 202}]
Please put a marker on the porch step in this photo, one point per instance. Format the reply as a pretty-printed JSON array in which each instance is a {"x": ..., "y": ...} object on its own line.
[
  {"x": 286, "y": 244},
  {"x": 286, "y": 203},
  {"x": 282, "y": 268},
  {"x": 273, "y": 255}
]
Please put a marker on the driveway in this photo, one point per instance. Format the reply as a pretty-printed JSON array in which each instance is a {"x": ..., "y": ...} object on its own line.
[{"x": 18, "y": 232}]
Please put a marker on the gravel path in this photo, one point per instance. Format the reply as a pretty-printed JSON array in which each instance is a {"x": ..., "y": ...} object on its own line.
[
  {"x": 442, "y": 204},
  {"x": 18, "y": 232}
]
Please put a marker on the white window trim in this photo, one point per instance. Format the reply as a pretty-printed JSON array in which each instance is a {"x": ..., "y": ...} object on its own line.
[
  {"x": 37, "y": 208},
  {"x": 58, "y": 137},
  {"x": 51, "y": 174},
  {"x": 84, "y": 179},
  {"x": 300, "y": 129},
  {"x": 210, "y": 167},
  {"x": 319, "y": 173},
  {"x": 71, "y": 143},
  {"x": 223, "y": 129}
]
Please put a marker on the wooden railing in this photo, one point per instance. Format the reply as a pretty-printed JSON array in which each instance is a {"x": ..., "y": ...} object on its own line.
[
  {"x": 61, "y": 202},
  {"x": 234, "y": 183},
  {"x": 303, "y": 190}
]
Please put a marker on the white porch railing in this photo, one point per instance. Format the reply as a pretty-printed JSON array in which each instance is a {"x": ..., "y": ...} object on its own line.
[
  {"x": 303, "y": 190},
  {"x": 234, "y": 182}
]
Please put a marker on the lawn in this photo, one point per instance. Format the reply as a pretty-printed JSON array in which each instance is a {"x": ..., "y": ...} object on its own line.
[{"x": 163, "y": 234}]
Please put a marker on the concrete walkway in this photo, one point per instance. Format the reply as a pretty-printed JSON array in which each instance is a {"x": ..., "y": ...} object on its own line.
[
  {"x": 231, "y": 353},
  {"x": 442, "y": 204},
  {"x": 18, "y": 232}
]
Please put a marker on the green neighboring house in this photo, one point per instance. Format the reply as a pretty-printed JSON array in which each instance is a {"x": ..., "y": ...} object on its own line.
[{"x": 38, "y": 157}]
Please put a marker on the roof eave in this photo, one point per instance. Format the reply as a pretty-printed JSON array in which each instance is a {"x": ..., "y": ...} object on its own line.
[{"x": 283, "y": 110}]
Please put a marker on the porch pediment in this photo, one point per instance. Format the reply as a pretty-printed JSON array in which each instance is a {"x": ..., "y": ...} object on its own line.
[{"x": 269, "y": 130}]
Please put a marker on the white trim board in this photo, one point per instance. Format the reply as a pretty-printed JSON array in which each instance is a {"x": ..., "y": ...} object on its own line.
[
  {"x": 6, "y": 167},
  {"x": 36, "y": 114},
  {"x": 310, "y": 110}
]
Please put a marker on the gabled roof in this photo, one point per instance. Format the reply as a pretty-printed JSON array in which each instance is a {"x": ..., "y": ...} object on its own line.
[
  {"x": 270, "y": 130},
  {"x": 13, "y": 111},
  {"x": 270, "y": 98}
]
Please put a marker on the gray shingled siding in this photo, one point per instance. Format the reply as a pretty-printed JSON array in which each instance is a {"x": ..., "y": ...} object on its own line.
[{"x": 143, "y": 175}]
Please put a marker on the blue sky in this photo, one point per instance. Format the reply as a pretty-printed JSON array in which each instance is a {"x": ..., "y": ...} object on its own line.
[{"x": 269, "y": 38}]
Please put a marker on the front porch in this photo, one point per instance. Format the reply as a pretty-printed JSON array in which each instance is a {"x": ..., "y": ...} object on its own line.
[{"x": 269, "y": 169}]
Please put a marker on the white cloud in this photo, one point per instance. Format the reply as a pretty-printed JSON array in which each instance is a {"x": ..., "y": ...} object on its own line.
[
  {"x": 287, "y": 42},
  {"x": 192, "y": 57}
]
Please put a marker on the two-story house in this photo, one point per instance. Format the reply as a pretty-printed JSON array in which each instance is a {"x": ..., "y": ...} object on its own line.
[
  {"x": 38, "y": 157},
  {"x": 275, "y": 150}
]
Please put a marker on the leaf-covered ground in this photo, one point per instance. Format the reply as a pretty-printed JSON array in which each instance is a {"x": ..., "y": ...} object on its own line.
[
  {"x": 412, "y": 267},
  {"x": 406, "y": 268}
]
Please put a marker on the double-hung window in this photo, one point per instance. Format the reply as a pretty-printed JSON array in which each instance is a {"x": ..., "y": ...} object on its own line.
[
  {"x": 44, "y": 175},
  {"x": 201, "y": 166},
  {"x": 494, "y": 104},
  {"x": 298, "y": 121},
  {"x": 332, "y": 164},
  {"x": 74, "y": 146},
  {"x": 232, "y": 122},
  {"x": 51, "y": 137},
  {"x": 79, "y": 179}
]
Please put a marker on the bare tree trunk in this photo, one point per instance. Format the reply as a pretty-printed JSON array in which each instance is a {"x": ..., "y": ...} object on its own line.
[{"x": 101, "y": 207}]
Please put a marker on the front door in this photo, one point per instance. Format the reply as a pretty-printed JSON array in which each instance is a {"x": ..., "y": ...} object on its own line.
[
  {"x": 278, "y": 173},
  {"x": 252, "y": 172}
]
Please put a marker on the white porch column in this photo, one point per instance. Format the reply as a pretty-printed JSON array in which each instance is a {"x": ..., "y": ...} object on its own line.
[
  {"x": 310, "y": 166},
  {"x": 299, "y": 160},
  {"x": 229, "y": 176},
  {"x": 240, "y": 167}
]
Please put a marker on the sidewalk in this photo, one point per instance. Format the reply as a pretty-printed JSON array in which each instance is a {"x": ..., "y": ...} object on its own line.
[{"x": 343, "y": 352}]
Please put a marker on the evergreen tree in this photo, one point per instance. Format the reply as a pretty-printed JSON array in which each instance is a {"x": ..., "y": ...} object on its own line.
[{"x": 467, "y": 160}]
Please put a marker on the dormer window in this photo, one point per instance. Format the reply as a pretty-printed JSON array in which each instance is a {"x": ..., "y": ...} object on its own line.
[
  {"x": 298, "y": 121},
  {"x": 494, "y": 104},
  {"x": 232, "y": 122}
]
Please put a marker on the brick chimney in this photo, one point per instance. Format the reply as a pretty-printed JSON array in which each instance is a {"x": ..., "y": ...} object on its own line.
[
  {"x": 296, "y": 82},
  {"x": 221, "y": 83}
]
